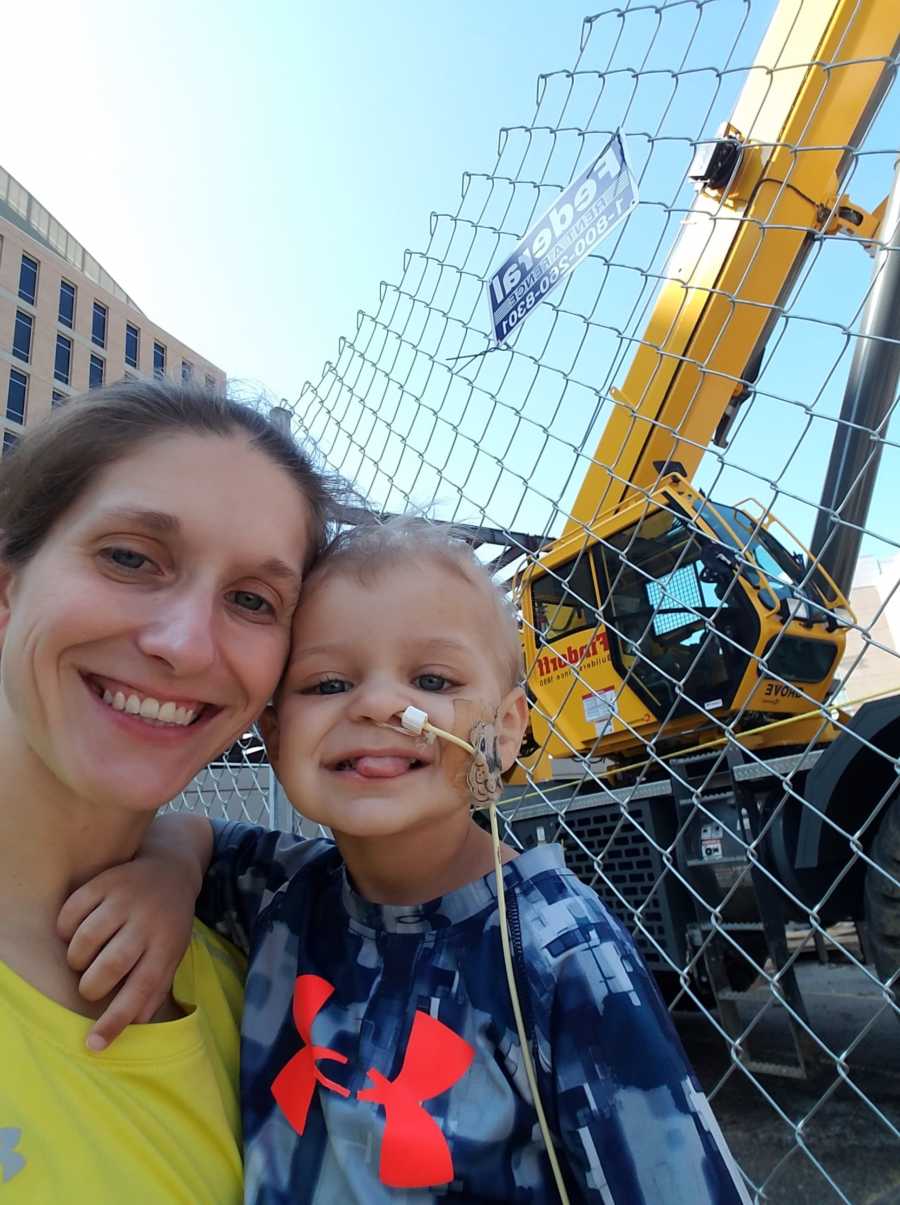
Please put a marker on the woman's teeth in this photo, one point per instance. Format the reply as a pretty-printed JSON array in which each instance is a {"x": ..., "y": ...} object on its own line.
[{"x": 149, "y": 709}]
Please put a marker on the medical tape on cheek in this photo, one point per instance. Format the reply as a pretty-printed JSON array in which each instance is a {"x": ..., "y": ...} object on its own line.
[
  {"x": 484, "y": 777},
  {"x": 482, "y": 770}
]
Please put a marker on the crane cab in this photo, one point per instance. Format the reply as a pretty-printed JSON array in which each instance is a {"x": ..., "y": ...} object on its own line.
[{"x": 669, "y": 612}]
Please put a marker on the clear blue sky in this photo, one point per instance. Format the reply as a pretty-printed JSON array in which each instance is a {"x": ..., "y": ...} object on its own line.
[{"x": 249, "y": 173}]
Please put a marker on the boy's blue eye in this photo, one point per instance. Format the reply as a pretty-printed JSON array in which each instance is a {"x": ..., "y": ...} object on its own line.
[
  {"x": 434, "y": 682},
  {"x": 329, "y": 686}
]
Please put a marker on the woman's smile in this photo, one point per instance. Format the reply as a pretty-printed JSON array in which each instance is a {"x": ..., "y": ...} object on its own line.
[
  {"x": 155, "y": 706},
  {"x": 145, "y": 716}
]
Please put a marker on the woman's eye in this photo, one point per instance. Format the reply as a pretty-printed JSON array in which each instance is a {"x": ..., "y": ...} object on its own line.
[
  {"x": 248, "y": 601},
  {"x": 328, "y": 686},
  {"x": 126, "y": 558},
  {"x": 434, "y": 682}
]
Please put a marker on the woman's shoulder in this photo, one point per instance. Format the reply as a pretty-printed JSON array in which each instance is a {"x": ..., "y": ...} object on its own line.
[
  {"x": 217, "y": 953},
  {"x": 212, "y": 973}
]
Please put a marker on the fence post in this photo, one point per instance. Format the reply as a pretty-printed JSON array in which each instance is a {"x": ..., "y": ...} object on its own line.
[{"x": 280, "y": 811}]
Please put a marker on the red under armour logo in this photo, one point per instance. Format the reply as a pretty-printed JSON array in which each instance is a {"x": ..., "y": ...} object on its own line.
[
  {"x": 414, "y": 1153},
  {"x": 295, "y": 1083}
]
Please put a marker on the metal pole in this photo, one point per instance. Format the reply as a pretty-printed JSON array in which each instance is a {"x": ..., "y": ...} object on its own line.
[
  {"x": 281, "y": 814},
  {"x": 869, "y": 394},
  {"x": 271, "y": 799},
  {"x": 280, "y": 811}
]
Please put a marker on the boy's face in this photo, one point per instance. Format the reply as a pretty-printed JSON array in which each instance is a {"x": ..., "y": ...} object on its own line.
[{"x": 417, "y": 635}]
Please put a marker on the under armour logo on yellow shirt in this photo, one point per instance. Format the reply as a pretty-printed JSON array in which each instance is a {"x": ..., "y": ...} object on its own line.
[{"x": 11, "y": 1162}]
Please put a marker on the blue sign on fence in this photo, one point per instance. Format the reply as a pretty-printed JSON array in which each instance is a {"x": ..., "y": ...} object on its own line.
[{"x": 560, "y": 239}]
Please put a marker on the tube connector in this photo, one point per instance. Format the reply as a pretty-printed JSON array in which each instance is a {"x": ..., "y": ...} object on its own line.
[{"x": 414, "y": 720}]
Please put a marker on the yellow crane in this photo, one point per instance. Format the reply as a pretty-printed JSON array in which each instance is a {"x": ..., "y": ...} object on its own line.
[
  {"x": 680, "y": 658},
  {"x": 656, "y": 605}
]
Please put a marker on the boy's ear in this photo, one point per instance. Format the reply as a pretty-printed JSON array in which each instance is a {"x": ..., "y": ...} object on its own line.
[
  {"x": 268, "y": 726},
  {"x": 512, "y": 720}
]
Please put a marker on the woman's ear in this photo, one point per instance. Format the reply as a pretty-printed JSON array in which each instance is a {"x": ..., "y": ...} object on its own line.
[
  {"x": 268, "y": 726},
  {"x": 511, "y": 722}
]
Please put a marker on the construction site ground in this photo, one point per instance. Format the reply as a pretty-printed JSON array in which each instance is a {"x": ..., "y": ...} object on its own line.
[{"x": 853, "y": 1144}]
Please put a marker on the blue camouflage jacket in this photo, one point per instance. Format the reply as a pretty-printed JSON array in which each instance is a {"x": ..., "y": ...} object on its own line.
[{"x": 380, "y": 1061}]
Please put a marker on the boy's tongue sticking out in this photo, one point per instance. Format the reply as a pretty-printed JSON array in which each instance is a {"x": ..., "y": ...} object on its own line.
[{"x": 381, "y": 766}]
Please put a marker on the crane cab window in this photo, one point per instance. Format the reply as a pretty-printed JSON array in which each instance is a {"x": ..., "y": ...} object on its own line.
[
  {"x": 674, "y": 626},
  {"x": 564, "y": 600},
  {"x": 789, "y": 576}
]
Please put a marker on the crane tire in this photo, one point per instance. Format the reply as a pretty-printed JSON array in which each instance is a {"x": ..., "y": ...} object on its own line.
[{"x": 883, "y": 899}]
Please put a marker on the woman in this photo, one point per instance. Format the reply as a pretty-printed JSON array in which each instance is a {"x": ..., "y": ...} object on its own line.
[{"x": 153, "y": 542}]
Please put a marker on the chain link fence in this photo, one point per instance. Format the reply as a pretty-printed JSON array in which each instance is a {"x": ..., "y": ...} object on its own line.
[{"x": 731, "y": 795}]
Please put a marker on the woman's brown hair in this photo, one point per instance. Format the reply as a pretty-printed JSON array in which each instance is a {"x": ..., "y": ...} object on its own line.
[{"x": 56, "y": 461}]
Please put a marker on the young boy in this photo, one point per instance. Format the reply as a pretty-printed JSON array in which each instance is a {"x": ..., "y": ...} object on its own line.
[{"x": 380, "y": 1057}]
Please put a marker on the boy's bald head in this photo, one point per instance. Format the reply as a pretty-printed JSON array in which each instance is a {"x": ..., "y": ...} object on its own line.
[{"x": 368, "y": 551}]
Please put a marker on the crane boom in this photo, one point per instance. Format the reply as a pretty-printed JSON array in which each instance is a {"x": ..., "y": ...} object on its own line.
[{"x": 819, "y": 75}]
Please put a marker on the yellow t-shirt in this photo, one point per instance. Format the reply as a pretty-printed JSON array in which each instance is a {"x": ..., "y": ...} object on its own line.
[{"x": 154, "y": 1120}]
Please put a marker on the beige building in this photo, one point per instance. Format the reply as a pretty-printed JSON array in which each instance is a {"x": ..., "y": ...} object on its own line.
[
  {"x": 875, "y": 599},
  {"x": 65, "y": 324}
]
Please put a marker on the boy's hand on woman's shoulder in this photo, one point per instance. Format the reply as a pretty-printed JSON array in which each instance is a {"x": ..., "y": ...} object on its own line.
[{"x": 128, "y": 928}]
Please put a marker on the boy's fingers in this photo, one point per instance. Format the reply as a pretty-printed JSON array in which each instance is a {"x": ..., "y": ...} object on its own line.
[
  {"x": 78, "y": 906},
  {"x": 154, "y": 1004},
  {"x": 117, "y": 958},
  {"x": 138, "y": 1001},
  {"x": 151, "y": 981},
  {"x": 94, "y": 932}
]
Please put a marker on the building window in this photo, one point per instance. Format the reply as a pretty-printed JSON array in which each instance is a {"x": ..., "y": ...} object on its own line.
[
  {"x": 66, "y": 303},
  {"x": 28, "y": 274},
  {"x": 132, "y": 344},
  {"x": 58, "y": 399},
  {"x": 16, "y": 395},
  {"x": 210, "y": 383},
  {"x": 62, "y": 367},
  {"x": 10, "y": 439},
  {"x": 95, "y": 372},
  {"x": 187, "y": 372},
  {"x": 22, "y": 336},
  {"x": 159, "y": 359},
  {"x": 98, "y": 324}
]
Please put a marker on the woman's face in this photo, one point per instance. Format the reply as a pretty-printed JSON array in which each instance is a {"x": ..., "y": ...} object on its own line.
[{"x": 152, "y": 625}]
